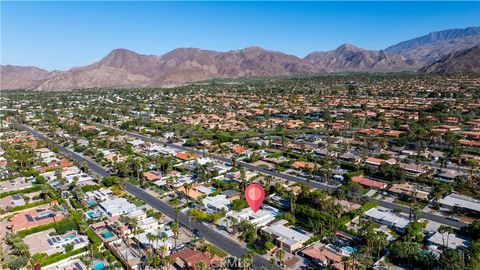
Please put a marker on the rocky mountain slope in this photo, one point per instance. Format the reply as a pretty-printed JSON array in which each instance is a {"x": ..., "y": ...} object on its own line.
[
  {"x": 15, "y": 77},
  {"x": 430, "y": 47},
  {"x": 465, "y": 61},
  {"x": 350, "y": 58}
]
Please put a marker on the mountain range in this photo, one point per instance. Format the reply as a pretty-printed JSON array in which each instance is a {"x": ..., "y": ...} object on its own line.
[
  {"x": 448, "y": 51},
  {"x": 455, "y": 62}
]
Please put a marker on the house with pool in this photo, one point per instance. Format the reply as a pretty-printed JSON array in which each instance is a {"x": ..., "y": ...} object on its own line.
[
  {"x": 44, "y": 242},
  {"x": 105, "y": 230}
]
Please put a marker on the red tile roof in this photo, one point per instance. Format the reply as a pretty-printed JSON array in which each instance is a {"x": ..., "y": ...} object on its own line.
[
  {"x": 369, "y": 183},
  {"x": 151, "y": 176}
]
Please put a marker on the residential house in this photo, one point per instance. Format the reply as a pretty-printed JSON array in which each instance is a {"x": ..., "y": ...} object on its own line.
[
  {"x": 117, "y": 207},
  {"x": 376, "y": 162},
  {"x": 369, "y": 183},
  {"x": 217, "y": 203},
  {"x": 189, "y": 258},
  {"x": 232, "y": 195},
  {"x": 462, "y": 203},
  {"x": 286, "y": 238},
  {"x": 260, "y": 218},
  {"x": 387, "y": 217},
  {"x": 323, "y": 256},
  {"x": 452, "y": 240},
  {"x": 407, "y": 190}
]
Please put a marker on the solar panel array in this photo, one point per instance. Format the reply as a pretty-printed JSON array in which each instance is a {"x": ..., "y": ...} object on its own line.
[
  {"x": 77, "y": 266},
  {"x": 54, "y": 240},
  {"x": 43, "y": 217}
]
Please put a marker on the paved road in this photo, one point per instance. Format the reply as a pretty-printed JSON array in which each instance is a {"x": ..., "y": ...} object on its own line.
[
  {"x": 288, "y": 177},
  {"x": 216, "y": 238},
  {"x": 230, "y": 246},
  {"x": 92, "y": 165}
]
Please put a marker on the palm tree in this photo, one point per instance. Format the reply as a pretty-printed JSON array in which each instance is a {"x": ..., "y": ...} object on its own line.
[
  {"x": 382, "y": 242},
  {"x": 176, "y": 231},
  {"x": 271, "y": 262},
  {"x": 280, "y": 255},
  {"x": 163, "y": 237},
  {"x": 177, "y": 212},
  {"x": 293, "y": 200},
  {"x": 473, "y": 166},
  {"x": 445, "y": 230},
  {"x": 247, "y": 259},
  {"x": 116, "y": 226},
  {"x": 134, "y": 225},
  {"x": 150, "y": 237},
  {"x": 201, "y": 266},
  {"x": 234, "y": 162},
  {"x": 244, "y": 178},
  {"x": 347, "y": 261},
  {"x": 156, "y": 238},
  {"x": 234, "y": 223},
  {"x": 268, "y": 180},
  {"x": 168, "y": 260},
  {"x": 152, "y": 260},
  {"x": 187, "y": 187},
  {"x": 355, "y": 257},
  {"x": 124, "y": 219},
  {"x": 370, "y": 237}
]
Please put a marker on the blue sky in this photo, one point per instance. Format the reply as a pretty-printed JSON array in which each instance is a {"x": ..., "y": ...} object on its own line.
[{"x": 60, "y": 35}]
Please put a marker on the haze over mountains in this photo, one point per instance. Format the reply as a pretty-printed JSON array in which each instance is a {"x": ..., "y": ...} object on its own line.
[{"x": 437, "y": 51}]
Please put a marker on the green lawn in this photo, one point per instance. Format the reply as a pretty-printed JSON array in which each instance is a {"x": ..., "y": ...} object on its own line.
[
  {"x": 256, "y": 250},
  {"x": 215, "y": 250}
]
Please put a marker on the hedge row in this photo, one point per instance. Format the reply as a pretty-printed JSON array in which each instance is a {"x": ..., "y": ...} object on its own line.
[
  {"x": 60, "y": 256},
  {"x": 63, "y": 225},
  {"x": 33, "y": 230},
  {"x": 93, "y": 237},
  {"x": 22, "y": 191},
  {"x": 29, "y": 205}
]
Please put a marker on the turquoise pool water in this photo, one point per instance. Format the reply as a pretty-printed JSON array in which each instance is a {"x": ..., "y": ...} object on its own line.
[
  {"x": 107, "y": 234},
  {"x": 348, "y": 249},
  {"x": 99, "y": 266},
  {"x": 71, "y": 236},
  {"x": 91, "y": 214}
]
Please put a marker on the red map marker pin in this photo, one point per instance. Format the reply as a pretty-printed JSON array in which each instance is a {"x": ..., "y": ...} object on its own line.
[{"x": 254, "y": 194}]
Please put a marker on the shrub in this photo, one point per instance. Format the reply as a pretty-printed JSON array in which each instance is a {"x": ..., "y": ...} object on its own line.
[
  {"x": 60, "y": 256},
  {"x": 269, "y": 245},
  {"x": 68, "y": 247},
  {"x": 66, "y": 225},
  {"x": 88, "y": 188},
  {"x": 18, "y": 262},
  {"x": 349, "y": 175},
  {"x": 93, "y": 237}
]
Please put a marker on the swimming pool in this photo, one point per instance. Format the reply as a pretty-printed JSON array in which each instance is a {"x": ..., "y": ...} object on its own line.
[
  {"x": 99, "y": 266},
  {"x": 348, "y": 250},
  {"x": 107, "y": 234},
  {"x": 91, "y": 214}
]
